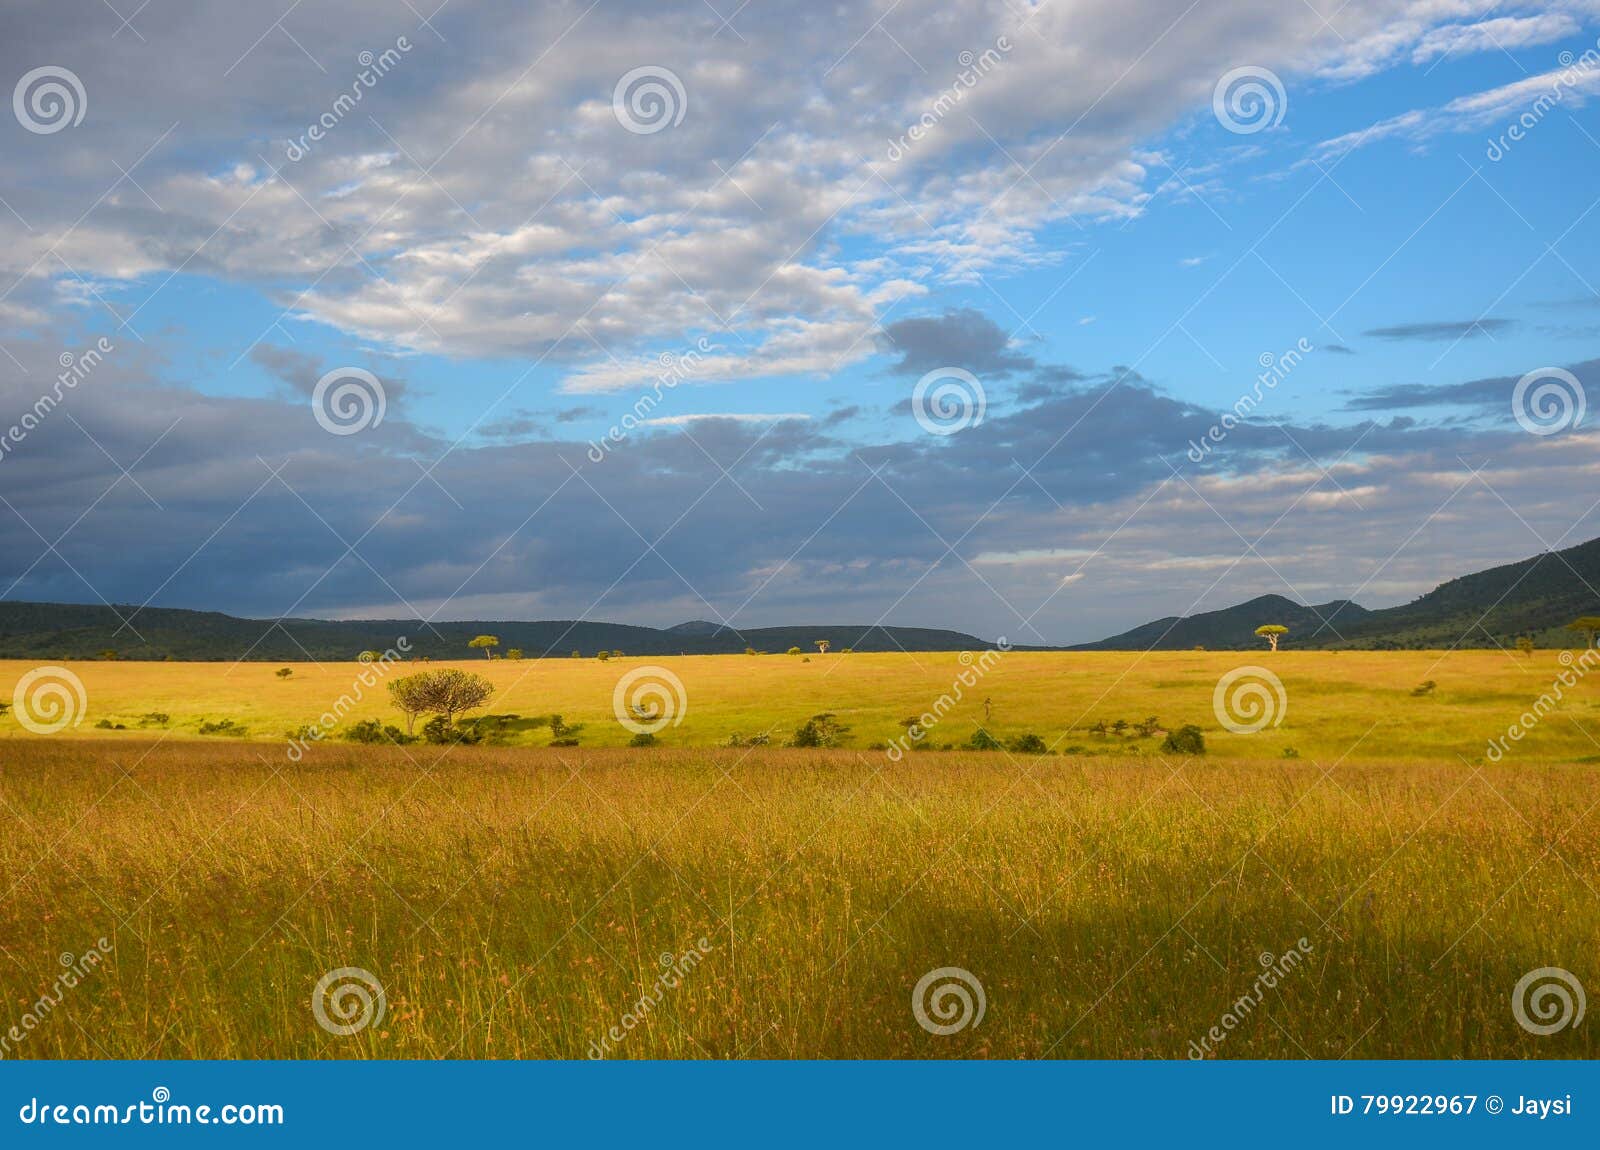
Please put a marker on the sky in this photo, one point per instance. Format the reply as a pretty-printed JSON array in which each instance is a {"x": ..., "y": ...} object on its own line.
[{"x": 1036, "y": 320}]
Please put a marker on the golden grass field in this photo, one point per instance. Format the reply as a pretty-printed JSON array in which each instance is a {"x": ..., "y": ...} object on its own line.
[
  {"x": 1334, "y": 700},
  {"x": 515, "y": 901}
]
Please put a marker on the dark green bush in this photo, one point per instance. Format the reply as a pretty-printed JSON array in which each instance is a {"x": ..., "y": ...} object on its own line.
[{"x": 1186, "y": 740}]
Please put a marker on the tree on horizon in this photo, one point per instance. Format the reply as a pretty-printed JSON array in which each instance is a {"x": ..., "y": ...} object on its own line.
[
  {"x": 1272, "y": 632},
  {"x": 487, "y": 642}
]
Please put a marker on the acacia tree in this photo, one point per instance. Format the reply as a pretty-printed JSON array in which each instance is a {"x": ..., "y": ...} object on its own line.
[
  {"x": 449, "y": 693},
  {"x": 1587, "y": 626},
  {"x": 1272, "y": 632},
  {"x": 822, "y": 646},
  {"x": 487, "y": 642}
]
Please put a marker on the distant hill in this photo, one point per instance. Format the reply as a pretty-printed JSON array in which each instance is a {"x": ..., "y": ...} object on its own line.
[
  {"x": 71, "y": 631},
  {"x": 1536, "y": 597},
  {"x": 1234, "y": 627}
]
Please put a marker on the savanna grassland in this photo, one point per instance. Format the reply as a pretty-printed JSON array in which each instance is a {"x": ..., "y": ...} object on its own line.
[
  {"x": 516, "y": 900},
  {"x": 1356, "y": 705}
]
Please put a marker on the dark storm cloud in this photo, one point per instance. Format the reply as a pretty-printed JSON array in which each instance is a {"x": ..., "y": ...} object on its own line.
[
  {"x": 1443, "y": 330},
  {"x": 1491, "y": 394},
  {"x": 962, "y": 338}
]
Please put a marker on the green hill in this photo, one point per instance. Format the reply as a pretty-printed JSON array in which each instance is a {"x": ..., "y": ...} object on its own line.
[
  {"x": 73, "y": 631},
  {"x": 1534, "y": 597}
]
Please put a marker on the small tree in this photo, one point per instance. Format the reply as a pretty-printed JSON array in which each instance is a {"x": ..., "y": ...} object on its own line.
[
  {"x": 515, "y": 654},
  {"x": 487, "y": 642},
  {"x": 1587, "y": 626},
  {"x": 109, "y": 656},
  {"x": 284, "y": 673},
  {"x": 794, "y": 650},
  {"x": 449, "y": 693},
  {"x": 1525, "y": 645},
  {"x": 1272, "y": 632},
  {"x": 822, "y": 646},
  {"x": 369, "y": 656}
]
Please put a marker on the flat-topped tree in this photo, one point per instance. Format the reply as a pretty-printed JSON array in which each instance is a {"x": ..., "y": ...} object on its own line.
[
  {"x": 487, "y": 642},
  {"x": 1587, "y": 626},
  {"x": 448, "y": 693},
  {"x": 822, "y": 646},
  {"x": 1272, "y": 632}
]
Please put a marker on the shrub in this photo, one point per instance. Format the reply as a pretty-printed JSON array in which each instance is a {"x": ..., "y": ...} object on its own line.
[
  {"x": 372, "y": 731},
  {"x": 515, "y": 654},
  {"x": 442, "y": 732},
  {"x": 563, "y": 742},
  {"x": 982, "y": 740},
  {"x": 154, "y": 719},
  {"x": 642, "y": 739},
  {"x": 284, "y": 672},
  {"x": 558, "y": 726},
  {"x": 1029, "y": 744},
  {"x": 577, "y": 654},
  {"x": 223, "y": 727},
  {"x": 760, "y": 740},
  {"x": 616, "y": 654},
  {"x": 108, "y": 725},
  {"x": 793, "y": 651},
  {"x": 1426, "y": 688},
  {"x": 604, "y": 656},
  {"x": 749, "y": 650},
  {"x": 1186, "y": 740},
  {"x": 819, "y": 731},
  {"x": 1147, "y": 727},
  {"x": 1099, "y": 729},
  {"x": 1290, "y": 753}
]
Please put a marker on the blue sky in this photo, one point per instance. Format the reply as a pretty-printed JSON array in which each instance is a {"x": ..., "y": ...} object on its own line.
[{"x": 492, "y": 236}]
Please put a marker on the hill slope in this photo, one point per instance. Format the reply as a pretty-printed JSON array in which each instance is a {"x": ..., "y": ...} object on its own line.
[
  {"x": 1537, "y": 597},
  {"x": 72, "y": 631}
]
